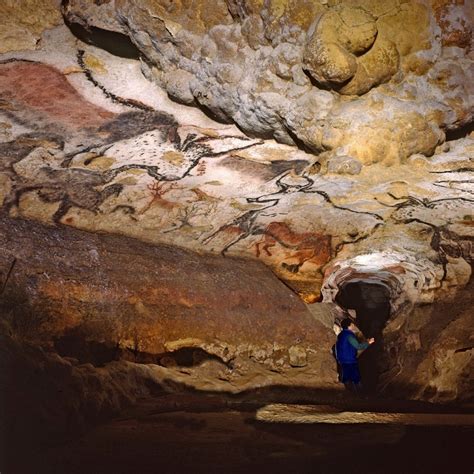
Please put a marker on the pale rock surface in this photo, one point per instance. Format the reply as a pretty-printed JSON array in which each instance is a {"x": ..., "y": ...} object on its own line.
[{"x": 405, "y": 66}]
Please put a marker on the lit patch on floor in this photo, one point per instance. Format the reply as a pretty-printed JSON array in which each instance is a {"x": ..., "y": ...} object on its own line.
[{"x": 311, "y": 414}]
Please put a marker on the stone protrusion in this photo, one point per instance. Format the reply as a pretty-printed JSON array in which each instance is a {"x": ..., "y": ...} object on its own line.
[
  {"x": 344, "y": 165},
  {"x": 339, "y": 36},
  {"x": 345, "y": 52},
  {"x": 374, "y": 68},
  {"x": 297, "y": 356}
]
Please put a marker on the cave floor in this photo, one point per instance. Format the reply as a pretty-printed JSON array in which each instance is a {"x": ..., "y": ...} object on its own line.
[{"x": 177, "y": 433}]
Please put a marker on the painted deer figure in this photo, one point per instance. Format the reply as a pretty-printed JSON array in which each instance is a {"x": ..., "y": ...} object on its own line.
[{"x": 158, "y": 190}]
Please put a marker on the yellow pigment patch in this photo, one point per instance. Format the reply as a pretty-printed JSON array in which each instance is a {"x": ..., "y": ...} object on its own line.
[
  {"x": 209, "y": 132},
  {"x": 101, "y": 163},
  {"x": 136, "y": 171},
  {"x": 95, "y": 64},
  {"x": 128, "y": 181},
  {"x": 72, "y": 70},
  {"x": 173, "y": 157}
]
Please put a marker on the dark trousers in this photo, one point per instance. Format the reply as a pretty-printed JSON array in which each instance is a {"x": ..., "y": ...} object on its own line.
[{"x": 350, "y": 374}]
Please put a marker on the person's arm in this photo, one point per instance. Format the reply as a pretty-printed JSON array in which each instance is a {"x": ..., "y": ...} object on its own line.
[{"x": 356, "y": 344}]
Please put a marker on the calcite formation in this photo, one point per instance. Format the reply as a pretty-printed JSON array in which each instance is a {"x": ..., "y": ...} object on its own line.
[
  {"x": 267, "y": 66},
  {"x": 369, "y": 178},
  {"x": 341, "y": 36}
]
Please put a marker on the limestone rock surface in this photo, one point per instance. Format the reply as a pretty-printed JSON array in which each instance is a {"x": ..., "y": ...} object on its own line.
[
  {"x": 22, "y": 23},
  {"x": 379, "y": 80}
]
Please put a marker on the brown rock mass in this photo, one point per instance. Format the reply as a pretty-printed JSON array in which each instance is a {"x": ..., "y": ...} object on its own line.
[{"x": 126, "y": 294}]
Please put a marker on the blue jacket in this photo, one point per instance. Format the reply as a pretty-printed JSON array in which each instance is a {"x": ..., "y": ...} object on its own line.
[{"x": 347, "y": 346}]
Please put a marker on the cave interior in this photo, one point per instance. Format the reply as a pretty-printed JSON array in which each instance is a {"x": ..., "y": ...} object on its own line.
[{"x": 192, "y": 195}]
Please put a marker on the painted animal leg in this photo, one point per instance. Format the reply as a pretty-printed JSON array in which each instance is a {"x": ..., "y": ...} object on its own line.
[
  {"x": 267, "y": 246},
  {"x": 62, "y": 210}
]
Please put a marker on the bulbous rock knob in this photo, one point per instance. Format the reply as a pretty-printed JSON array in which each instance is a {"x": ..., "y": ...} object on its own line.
[{"x": 339, "y": 46}]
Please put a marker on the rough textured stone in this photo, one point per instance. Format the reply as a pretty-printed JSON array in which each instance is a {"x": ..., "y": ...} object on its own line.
[
  {"x": 437, "y": 353},
  {"x": 351, "y": 48},
  {"x": 344, "y": 165},
  {"x": 22, "y": 23},
  {"x": 297, "y": 356},
  {"x": 67, "y": 284},
  {"x": 340, "y": 35}
]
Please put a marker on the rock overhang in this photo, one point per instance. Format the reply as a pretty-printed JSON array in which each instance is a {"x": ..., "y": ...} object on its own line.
[{"x": 258, "y": 80}]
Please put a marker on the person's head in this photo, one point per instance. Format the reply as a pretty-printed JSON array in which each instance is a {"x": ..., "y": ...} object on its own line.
[{"x": 346, "y": 323}]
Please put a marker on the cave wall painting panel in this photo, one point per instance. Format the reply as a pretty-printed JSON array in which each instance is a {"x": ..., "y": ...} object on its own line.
[{"x": 79, "y": 152}]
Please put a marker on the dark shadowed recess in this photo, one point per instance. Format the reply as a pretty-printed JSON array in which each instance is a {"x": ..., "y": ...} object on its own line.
[
  {"x": 77, "y": 346},
  {"x": 371, "y": 301},
  {"x": 460, "y": 132},
  {"x": 115, "y": 43}
]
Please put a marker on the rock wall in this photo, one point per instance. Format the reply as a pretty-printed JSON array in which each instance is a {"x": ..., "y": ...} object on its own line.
[
  {"x": 72, "y": 291},
  {"x": 47, "y": 399},
  {"x": 23, "y": 23},
  {"x": 429, "y": 350},
  {"x": 88, "y": 141}
]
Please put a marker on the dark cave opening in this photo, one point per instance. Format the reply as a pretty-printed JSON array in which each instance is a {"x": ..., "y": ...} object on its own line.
[
  {"x": 115, "y": 43},
  {"x": 76, "y": 346},
  {"x": 461, "y": 132},
  {"x": 371, "y": 302}
]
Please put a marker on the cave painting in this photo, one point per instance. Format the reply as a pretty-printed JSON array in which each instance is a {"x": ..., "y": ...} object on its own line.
[
  {"x": 342, "y": 153},
  {"x": 304, "y": 247},
  {"x": 163, "y": 175},
  {"x": 41, "y": 94}
]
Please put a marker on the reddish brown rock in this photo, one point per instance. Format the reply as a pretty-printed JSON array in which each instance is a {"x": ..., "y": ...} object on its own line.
[
  {"x": 44, "y": 92},
  {"x": 455, "y": 18},
  {"x": 150, "y": 299}
]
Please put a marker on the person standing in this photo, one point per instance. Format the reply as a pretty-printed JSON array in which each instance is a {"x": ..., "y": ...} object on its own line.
[{"x": 346, "y": 350}]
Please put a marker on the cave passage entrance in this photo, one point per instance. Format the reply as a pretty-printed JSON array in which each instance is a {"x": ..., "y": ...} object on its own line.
[{"x": 371, "y": 302}]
